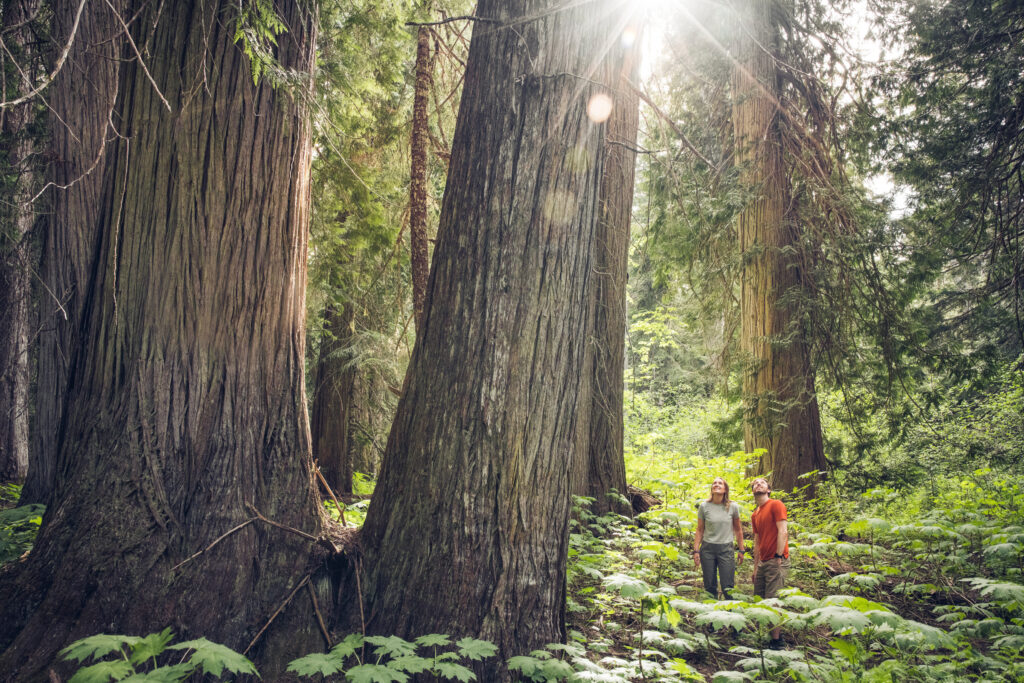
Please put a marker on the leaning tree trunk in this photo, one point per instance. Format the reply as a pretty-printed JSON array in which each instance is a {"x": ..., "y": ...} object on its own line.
[
  {"x": 418, "y": 178},
  {"x": 185, "y": 414},
  {"x": 780, "y": 405},
  {"x": 601, "y": 467},
  {"x": 330, "y": 421},
  {"x": 469, "y": 529},
  {"x": 18, "y": 215},
  {"x": 81, "y": 130}
]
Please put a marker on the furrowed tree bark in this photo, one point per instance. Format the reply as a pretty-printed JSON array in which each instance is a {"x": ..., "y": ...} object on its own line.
[
  {"x": 418, "y": 178},
  {"x": 469, "y": 529},
  {"x": 20, "y": 168},
  {"x": 601, "y": 467},
  {"x": 81, "y": 100},
  {"x": 185, "y": 413},
  {"x": 780, "y": 404},
  {"x": 332, "y": 401}
]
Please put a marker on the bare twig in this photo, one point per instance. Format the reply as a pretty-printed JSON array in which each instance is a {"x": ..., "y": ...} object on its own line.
[
  {"x": 465, "y": 17},
  {"x": 279, "y": 525},
  {"x": 138, "y": 55},
  {"x": 319, "y": 616},
  {"x": 273, "y": 616},
  {"x": 56, "y": 68},
  {"x": 327, "y": 487},
  {"x": 215, "y": 542},
  {"x": 672, "y": 124}
]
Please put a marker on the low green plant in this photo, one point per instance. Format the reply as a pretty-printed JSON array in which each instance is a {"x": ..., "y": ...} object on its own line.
[
  {"x": 394, "y": 659},
  {"x": 138, "y": 658},
  {"x": 18, "y": 525}
]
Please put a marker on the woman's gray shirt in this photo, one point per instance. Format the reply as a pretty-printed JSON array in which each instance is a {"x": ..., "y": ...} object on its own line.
[{"x": 718, "y": 521}]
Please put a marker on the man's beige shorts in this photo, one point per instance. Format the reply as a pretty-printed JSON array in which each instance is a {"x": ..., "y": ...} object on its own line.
[{"x": 771, "y": 578}]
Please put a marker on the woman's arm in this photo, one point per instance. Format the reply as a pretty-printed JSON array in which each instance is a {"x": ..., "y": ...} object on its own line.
[{"x": 697, "y": 539}]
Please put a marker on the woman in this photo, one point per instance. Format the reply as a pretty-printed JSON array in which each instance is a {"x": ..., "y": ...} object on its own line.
[{"x": 718, "y": 528}]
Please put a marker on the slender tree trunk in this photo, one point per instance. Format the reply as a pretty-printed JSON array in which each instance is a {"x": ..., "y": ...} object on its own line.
[
  {"x": 81, "y": 102},
  {"x": 332, "y": 401},
  {"x": 16, "y": 254},
  {"x": 469, "y": 529},
  {"x": 780, "y": 405},
  {"x": 185, "y": 413},
  {"x": 418, "y": 181},
  {"x": 601, "y": 466}
]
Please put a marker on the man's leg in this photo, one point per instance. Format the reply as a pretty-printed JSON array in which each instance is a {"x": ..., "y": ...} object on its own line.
[{"x": 775, "y": 580}]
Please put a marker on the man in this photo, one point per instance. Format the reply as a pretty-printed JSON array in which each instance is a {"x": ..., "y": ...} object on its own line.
[{"x": 771, "y": 548}]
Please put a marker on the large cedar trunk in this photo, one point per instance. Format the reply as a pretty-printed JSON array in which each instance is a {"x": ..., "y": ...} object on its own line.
[
  {"x": 601, "y": 467},
  {"x": 468, "y": 531},
  {"x": 185, "y": 411},
  {"x": 18, "y": 215},
  {"x": 780, "y": 405},
  {"x": 330, "y": 420},
  {"x": 81, "y": 100}
]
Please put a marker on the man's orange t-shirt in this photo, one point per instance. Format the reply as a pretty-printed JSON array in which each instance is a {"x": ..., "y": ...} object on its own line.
[{"x": 764, "y": 521}]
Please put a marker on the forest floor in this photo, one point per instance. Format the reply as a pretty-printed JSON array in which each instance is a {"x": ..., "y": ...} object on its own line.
[{"x": 921, "y": 585}]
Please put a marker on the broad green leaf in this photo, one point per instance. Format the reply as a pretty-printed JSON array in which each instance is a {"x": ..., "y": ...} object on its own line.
[
  {"x": 763, "y": 615},
  {"x": 474, "y": 649},
  {"x": 847, "y": 649},
  {"x": 348, "y": 646},
  {"x": 321, "y": 663},
  {"x": 97, "y": 646},
  {"x": 163, "y": 674},
  {"x": 555, "y": 670},
  {"x": 454, "y": 672},
  {"x": 839, "y": 619},
  {"x": 411, "y": 664},
  {"x": 393, "y": 646},
  {"x": 433, "y": 640},
  {"x": 721, "y": 619},
  {"x": 151, "y": 646},
  {"x": 730, "y": 676},
  {"x": 805, "y": 602},
  {"x": 374, "y": 673},
  {"x": 528, "y": 666},
  {"x": 103, "y": 672},
  {"x": 214, "y": 658},
  {"x": 626, "y": 585}
]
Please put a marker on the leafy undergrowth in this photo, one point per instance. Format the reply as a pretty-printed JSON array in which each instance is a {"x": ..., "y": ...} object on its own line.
[{"x": 887, "y": 587}]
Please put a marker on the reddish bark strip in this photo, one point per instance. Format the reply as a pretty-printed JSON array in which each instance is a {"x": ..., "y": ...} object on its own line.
[{"x": 780, "y": 404}]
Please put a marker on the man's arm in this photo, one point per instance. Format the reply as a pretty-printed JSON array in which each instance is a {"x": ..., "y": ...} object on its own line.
[
  {"x": 756, "y": 558},
  {"x": 783, "y": 537}
]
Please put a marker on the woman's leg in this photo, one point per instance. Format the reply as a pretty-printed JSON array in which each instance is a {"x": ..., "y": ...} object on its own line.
[
  {"x": 727, "y": 569},
  {"x": 709, "y": 568}
]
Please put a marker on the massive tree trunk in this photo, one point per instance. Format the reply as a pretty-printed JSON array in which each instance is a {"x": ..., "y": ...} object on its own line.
[
  {"x": 469, "y": 529},
  {"x": 81, "y": 100},
  {"x": 600, "y": 467},
  {"x": 16, "y": 255},
  {"x": 330, "y": 421},
  {"x": 418, "y": 178},
  {"x": 780, "y": 405},
  {"x": 185, "y": 413}
]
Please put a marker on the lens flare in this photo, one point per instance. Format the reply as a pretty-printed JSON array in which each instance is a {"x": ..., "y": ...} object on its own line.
[
  {"x": 628, "y": 37},
  {"x": 599, "y": 108}
]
